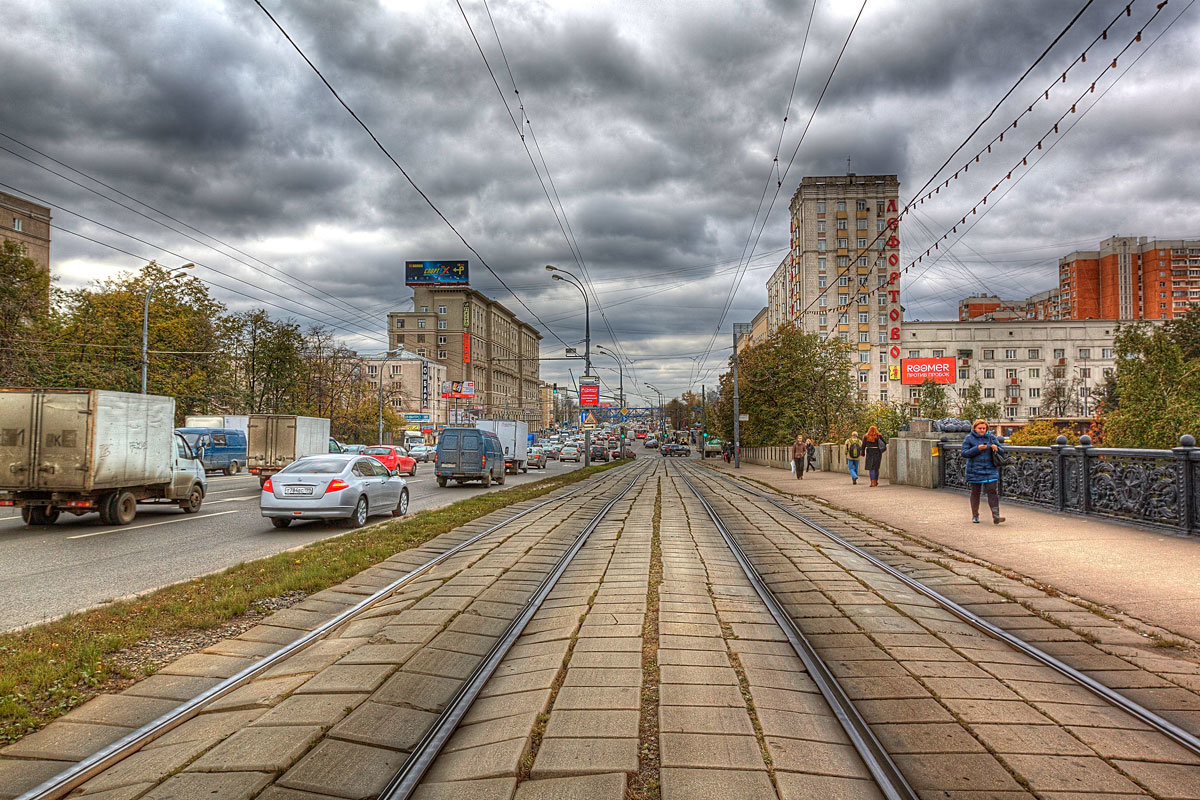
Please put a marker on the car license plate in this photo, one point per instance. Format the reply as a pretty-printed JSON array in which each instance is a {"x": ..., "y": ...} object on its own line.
[
  {"x": 297, "y": 490},
  {"x": 449, "y": 464}
]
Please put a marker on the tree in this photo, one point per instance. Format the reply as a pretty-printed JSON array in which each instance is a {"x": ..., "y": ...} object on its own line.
[
  {"x": 24, "y": 317},
  {"x": 888, "y": 418},
  {"x": 973, "y": 407},
  {"x": 1043, "y": 432},
  {"x": 932, "y": 402},
  {"x": 1158, "y": 382},
  {"x": 1059, "y": 392}
]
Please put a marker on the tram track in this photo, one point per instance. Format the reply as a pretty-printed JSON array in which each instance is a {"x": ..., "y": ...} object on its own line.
[
  {"x": 414, "y": 767},
  {"x": 707, "y": 485}
]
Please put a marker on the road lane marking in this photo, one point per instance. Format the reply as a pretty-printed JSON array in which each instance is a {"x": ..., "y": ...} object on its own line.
[
  {"x": 151, "y": 524},
  {"x": 232, "y": 499}
]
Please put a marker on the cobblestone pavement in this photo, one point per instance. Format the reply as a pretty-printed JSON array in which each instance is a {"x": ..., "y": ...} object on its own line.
[{"x": 654, "y": 670}]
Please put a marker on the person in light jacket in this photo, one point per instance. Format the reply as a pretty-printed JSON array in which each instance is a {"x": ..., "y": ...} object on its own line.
[
  {"x": 982, "y": 474},
  {"x": 854, "y": 447},
  {"x": 798, "y": 453},
  {"x": 874, "y": 446}
]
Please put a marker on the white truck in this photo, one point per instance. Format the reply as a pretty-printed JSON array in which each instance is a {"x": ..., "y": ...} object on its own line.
[
  {"x": 275, "y": 440},
  {"x": 238, "y": 422},
  {"x": 514, "y": 436},
  {"x": 82, "y": 450}
]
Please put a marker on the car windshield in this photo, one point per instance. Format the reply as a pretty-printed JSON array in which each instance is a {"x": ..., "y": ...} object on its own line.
[
  {"x": 377, "y": 451},
  {"x": 317, "y": 466},
  {"x": 192, "y": 439}
]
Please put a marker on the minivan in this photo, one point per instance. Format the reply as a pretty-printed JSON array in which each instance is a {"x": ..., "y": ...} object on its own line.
[
  {"x": 469, "y": 454},
  {"x": 221, "y": 449}
]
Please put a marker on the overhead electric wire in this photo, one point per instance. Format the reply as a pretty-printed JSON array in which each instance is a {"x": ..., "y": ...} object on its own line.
[{"x": 387, "y": 153}]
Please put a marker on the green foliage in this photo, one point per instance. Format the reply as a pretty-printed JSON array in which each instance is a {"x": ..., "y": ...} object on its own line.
[
  {"x": 932, "y": 402},
  {"x": 1158, "y": 383},
  {"x": 973, "y": 406},
  {"x": 790, "y": 383},
  {"x": 24, "y": 316},
  {"x": 1043, "y": 432},
  {"x": 888, "y": 418}
]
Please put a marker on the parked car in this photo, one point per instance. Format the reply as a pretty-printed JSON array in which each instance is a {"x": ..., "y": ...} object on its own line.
[
  {"x": 333, "y": 486},
  {"x": 570, "y": 452},
  {"x": 469, "y": 454},
  {"x": 422, "y": 452},
  {"x": 354, "y": 449},
  {"x": 536, "y": 457},
  {"x": 394, "y": 458},
  {"x": 222, "y": 449},
  {"x": 682, "y": 450},
  {"x": 599, "y": 453},
  {"x": 650, "y": 442},
  {"x": 625, "y": 452}
]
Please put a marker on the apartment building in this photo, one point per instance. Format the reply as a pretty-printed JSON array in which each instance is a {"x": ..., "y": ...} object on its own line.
[
  {"x": 27, "y": 224},
  {"x": 758, "y": 331},
  {"x": 1043, "y": 305},
  {"x": 1131, "y": 278},
  {"x": 779, "y": 295},
  {"x": 479, "y": 340},
  {"x": 1031, "y": 368},
  {"x": 411, "y": 386},
  {"x": 843, "y": 278}
]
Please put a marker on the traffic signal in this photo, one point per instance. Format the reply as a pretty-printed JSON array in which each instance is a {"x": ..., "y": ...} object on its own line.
[
  {"x": 556, "y": 388},
  {"x": 705, "y": 435}
]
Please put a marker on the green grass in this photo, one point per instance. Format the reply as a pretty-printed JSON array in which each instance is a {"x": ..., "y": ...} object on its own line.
[{"x": 49, "y": 669}]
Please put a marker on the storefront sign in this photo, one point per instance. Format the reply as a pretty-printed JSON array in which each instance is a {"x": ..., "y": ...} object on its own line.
[{"x": 915, "y": 371}]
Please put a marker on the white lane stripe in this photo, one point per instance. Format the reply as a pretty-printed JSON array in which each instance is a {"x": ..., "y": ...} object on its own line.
[
  {"x": 181, "y": 518},
  {"x": 232, "y": 499}
]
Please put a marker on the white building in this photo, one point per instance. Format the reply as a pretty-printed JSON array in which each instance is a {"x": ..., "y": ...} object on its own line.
[
  {"x": 411, "y": 385},
  {"x": 1031, "y": 368}
]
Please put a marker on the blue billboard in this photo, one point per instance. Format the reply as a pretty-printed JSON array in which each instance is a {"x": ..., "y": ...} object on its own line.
[{"x": 435, "y": 273}]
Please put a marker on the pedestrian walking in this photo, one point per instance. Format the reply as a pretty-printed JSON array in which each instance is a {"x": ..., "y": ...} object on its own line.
[
  {"x": 727, "y": 451},
  {"x": 854, "y": 447},
  {"x": 799, "y": 451},
  {"x": 874, "y": 446},
  {"x": 979, "y": 449},
  {"x": 810, "y": 454}
]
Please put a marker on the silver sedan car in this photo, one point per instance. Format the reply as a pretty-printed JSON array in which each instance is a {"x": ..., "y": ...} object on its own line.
[
  {"x": 335, "y": 486},
  {"x": 536, "y": 458}
]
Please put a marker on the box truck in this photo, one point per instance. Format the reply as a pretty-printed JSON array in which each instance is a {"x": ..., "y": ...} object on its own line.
[
  {"x": 275, "y": 440},
  {"x": 239, "y": 422},
  {"x": 81, "y": 450},
  {"x": 514, "y": 437}
]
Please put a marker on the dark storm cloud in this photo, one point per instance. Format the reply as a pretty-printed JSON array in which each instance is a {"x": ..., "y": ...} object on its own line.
[{"x": 659, "y": 123}]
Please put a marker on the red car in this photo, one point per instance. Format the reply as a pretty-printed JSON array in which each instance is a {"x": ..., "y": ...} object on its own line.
[{"x": 394, "y": 458}]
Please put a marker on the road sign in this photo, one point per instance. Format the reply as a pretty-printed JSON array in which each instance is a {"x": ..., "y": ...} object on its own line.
[
  {"x": 743, "y": 417},
  {"x": 417, "y": 417},
  {"x": 588, "y": 421},
  {"x": 589, "y": 395}
]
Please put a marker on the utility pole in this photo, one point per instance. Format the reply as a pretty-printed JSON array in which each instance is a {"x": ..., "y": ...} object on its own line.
[{"x": 739, "y": 329}]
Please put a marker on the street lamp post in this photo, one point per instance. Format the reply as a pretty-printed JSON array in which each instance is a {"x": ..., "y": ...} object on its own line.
[
  {"x": 382, "y": 368},
  {"x": 587, "y": 343},
  {"x": 620, "y": 371},
  {"x": 146, "y": 319},
  {"x": 660, "y": 409}
]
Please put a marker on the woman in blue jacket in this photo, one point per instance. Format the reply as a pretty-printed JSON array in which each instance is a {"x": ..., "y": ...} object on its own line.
[{"x": 982, "y": 474}]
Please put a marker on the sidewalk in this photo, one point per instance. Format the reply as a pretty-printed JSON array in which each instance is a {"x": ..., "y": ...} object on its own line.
[{"x": 1152, "y": 576}]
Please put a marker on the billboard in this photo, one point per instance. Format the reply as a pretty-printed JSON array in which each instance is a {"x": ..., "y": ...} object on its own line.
[
  {"x": 458, "y": 389},
  {"x": 915, "y": 371},
  {"x": 589, "y": 395},
  {"x": 435, "y": 273}
]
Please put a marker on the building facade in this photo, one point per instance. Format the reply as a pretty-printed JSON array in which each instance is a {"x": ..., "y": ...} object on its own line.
[
  {"x": 1043, "y": 305},
  {"x": 28, "y": 224},
  {"x": 1131, "y": 278},
  {"x": 843, "y": 279},
  {"x": 779, "y": 295},
  {"x": 479, "y": 340},
  {"x": 758, "y": 332},
  {"x": 404, "y": 386},
  {"x": 1030, "y": 368}
]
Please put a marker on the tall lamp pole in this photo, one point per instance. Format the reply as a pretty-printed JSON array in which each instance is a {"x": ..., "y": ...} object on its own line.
[
  {"x": 146, "y": 319},
  {"x": 660, "y": 408},
  {"x": 739, "y": 329},
  {"x": 620, "y": 371},
  {"x": 382, "y": 368},
  {"x": 557, "y": 275}
]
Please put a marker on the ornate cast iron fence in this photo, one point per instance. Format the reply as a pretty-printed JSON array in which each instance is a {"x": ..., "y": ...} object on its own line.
[{"x": 1156, "y": 487}]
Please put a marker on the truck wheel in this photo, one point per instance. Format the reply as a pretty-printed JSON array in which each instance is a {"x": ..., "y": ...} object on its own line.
[
  {"x": 402, "y": 506},
  {"x": 39, "y": 515},
  {"x": 487, "y": 479},
  {"x": 524, "y": 470},
  {"x": 107, "y": 513},
  {"x": 124, "y": 509},
  {"x": 281, "y": 522},
  {"x": 192, "y": 504},
  {"x": 500, "y": 481},
  {"x": 233, "y": 469},
  {"x": 359, "y": 517},
  {"x": 441, "y": 481}
]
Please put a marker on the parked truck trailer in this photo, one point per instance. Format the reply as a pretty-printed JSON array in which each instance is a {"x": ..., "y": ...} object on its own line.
[
  {"x": 275, "y": 440},
  {"x": 82, "y": 450}
]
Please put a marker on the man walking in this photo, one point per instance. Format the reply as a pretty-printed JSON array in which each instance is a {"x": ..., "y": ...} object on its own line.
[{"x": 853, "y": 454}]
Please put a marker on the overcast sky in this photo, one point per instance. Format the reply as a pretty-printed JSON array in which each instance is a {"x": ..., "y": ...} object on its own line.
[{"x": 659, "y": 122}]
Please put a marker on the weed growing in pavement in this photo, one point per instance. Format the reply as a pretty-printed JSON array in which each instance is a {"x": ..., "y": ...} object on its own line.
[{"x": 47, "y": 670}]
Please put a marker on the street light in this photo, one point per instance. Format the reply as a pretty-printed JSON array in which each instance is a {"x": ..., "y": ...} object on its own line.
[
  {"x": 620, "y": 371},
  {"x": 660, "y": 410},
  {"x": 146, "y": 318},
  {"x": 587, "y": 343},
  {"x": 382, "y": 367}
]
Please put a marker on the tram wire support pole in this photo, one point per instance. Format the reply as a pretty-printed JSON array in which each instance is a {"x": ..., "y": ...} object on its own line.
[{"x": 739, "y": 329}]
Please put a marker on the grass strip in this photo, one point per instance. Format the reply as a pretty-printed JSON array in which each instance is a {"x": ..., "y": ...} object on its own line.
[
  {"x": 646, "y": 783},
  {"x": 47, "y": 670}
]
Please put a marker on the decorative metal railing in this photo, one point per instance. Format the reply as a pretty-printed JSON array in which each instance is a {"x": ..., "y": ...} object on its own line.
[{"x": 1155, "y": 487}]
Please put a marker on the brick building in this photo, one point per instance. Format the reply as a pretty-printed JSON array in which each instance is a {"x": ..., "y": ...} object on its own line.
[
  {"x": 403, "y": 378},
  {"x": 28, "y": 224},
  {"x": 1043, "y": 305},
  {"x": 1131, "y": 278}
]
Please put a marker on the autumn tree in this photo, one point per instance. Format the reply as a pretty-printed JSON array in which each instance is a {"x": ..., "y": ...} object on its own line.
[
  {"x": 932, "y": 402},
  {"x": 24, "y": 316},
  {"x": 972, "y": 406}
]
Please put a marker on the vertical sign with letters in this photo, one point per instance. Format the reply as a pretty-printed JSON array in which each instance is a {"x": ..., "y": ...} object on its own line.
[
  {"x": 466, "y": 347},
  {"x": 424, "y": 385}
]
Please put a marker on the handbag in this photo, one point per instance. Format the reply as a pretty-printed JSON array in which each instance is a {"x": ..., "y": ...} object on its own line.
[{"x": 1000, "y": 460}]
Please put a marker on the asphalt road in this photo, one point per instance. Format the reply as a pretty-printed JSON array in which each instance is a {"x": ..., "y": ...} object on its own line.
[{"x": 77, "y": 563}]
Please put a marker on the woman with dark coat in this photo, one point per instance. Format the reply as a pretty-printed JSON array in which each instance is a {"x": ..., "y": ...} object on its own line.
[
  {"x": 874, "y": 446},
  {"x": 982, "y": 473}
]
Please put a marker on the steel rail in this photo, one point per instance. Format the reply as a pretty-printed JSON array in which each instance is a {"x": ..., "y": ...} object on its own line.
[
  {"x": 405, "y": 782},
  {"x": 67, "y": 780},
  {"x": 881, "y": 766},
  {"x": 1140, "y": 712}
]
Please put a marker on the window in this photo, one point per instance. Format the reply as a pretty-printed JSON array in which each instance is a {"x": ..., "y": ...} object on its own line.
[
  {"x": 882, "y": 319},
  {"x": 820, "y": 206},
  {"x": 989, "y": 393},
  {"x": 842, "y": 320},
  {"x": 441, "y": 340},
  {"x": 820, "y": 244},
  {"x": 1085, "y": 372},
  {"x": 17, "y": 224},
  {"x": 861, "y": 243},
  {"x": 913, "y": 394},
  {"x": 821, "y": 263},
  {"x": 1107, "y": 372},
  {"x": 883, "y": 299},
  {"x": 864, "y": 357},
  {"x": 1010, "y": 354},
  {"x": 863, "y": 318},
  {"x": 820, "y": 226},
  {"x": 420, "y": 338},
  {"x": 441, "y": 324},
  {"x": 822, "y": 320},
  {"x": 843, "y": 299},
  {"x": 371, "y": 370},
  {"x": 862, "y": 260},
  {"x": 1034, "y": 353},
  {"x": 420, "y": 323},
  {"x": 1035, "y": 393},
  {"x": 841, "y": 224},
  {"x": 844, "y": 281},
  {"x": 1085, "y": 352},
  {"x": 400, "y": 339},
  {"x": 939, "y": 353},
  {"x": 883, "y": 395},
  {"x": 1106, "y": 352},
  {"x": 880, "y": 224},
  {"x": 820, "y": 281},
  {"x": 862, "y": 223},
  {"x": 883, "y": 337},
  {"x": 989, "y": 373},
  {"x": 821, "y": 301},
  {"x": 843, "y": 243},
  {"x": 1034, "y": 411},
  {"x": 844, "y": 337},
  {"x": 441, "y": 309},
  {"x": 841, "y": 205},
  {"x": 1010, "y": 412},
  {"x": 914, "y": 353},
  {"x": 882, "y": 361},
  {"x": 1010, "y": 373},
  {"x": 860, "y": 205},
  {"x": 843, "y": 261},
  {"x": 424, "y": 309},
  {"x": 864, "y": 337},
  {"x": 1060, "y": 353},
  {"x": 1035, "y": 373},
  {"x": 441, "y": 354},
  {"x": 421, "y": 352},
  {"x": 963, "y": 374},
  {"x": 1084, "y": 391}
]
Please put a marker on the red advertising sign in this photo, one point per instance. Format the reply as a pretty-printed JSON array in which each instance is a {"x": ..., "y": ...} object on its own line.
[
  {"x": 589, "y": 395},
  {"x": 915, "y": 371},
  {"x": 466, "y": 347}
]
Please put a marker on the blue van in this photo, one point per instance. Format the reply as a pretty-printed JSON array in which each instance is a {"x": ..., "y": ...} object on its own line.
[
  {"x": 469, "y": 454},
  {"x": 221, "y": 449}
]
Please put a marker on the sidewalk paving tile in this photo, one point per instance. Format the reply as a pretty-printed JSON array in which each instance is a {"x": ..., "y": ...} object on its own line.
[
  {"x": 680, "y": 783},
  {"x": 268, "y": 749},
  {"x": 560, "y": 757},
  {"x": 607, "y": 786}
]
